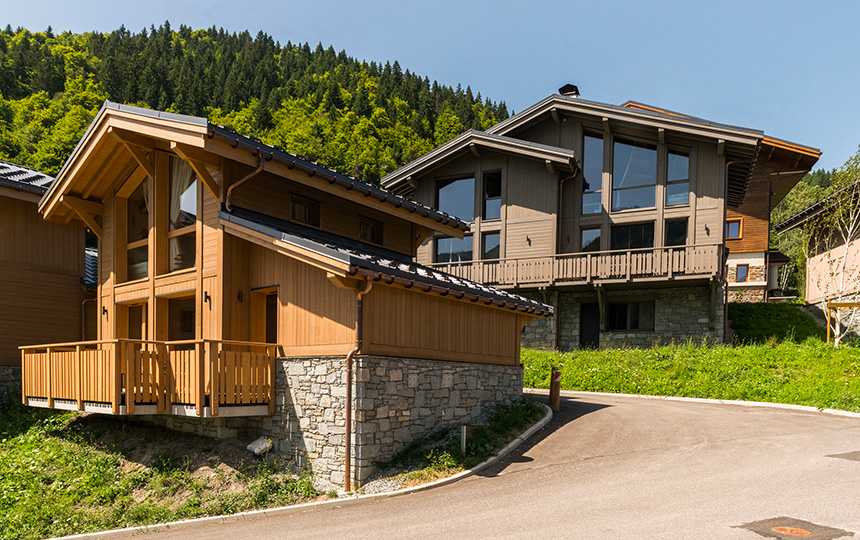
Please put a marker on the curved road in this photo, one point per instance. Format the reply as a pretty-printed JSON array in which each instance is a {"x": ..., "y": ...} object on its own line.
[{"x": 610, "y": 467}]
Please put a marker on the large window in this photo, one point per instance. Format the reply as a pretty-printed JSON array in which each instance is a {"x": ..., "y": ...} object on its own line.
[
  {"x": 676, "y": 233},
  {"x": 137, "y": 230},
  {"x": 634, "y": 175},
  {"x": 451, "y": 250},
  {"x": 677, "y": 178},
  {"x": 457, "y": 198},
  {"x": 590, "y": 240},
  {"x": 492, "y": 241},
  {"x": 638, "y": 235},
  {"x": 630, "y": 316},
  {"x": 492, "y": 195},
  {"x": 182, "y": 221},
  {"x": 592, "y": 174}
]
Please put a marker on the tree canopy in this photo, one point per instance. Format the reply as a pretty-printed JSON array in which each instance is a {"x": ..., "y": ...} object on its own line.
[{"x": 365, "y": 119}]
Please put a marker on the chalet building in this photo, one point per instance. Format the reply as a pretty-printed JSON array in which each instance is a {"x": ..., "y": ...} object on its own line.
[
  {"x": 832, "y": 267},
  {"x": 623, "y": 218},
  {"x": 243, "y": 288},
  {"x": 50, "y": 257}
]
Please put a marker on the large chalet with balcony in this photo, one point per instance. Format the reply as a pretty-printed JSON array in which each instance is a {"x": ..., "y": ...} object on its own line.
[{"x": 628, "y": 219}]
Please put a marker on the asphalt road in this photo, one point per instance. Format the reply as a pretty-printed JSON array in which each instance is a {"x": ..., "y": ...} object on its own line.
[{"x": 620, "y": 468}]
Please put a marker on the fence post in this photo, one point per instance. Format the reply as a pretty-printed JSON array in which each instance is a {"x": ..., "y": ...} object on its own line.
[
  {"x": 130, "y": 378},
  {"x": 24, "y": 376},
  {"x": 213, "y": 353},
  {"x": 270, "y": 357},
  {"x": 168, "y": 378},
  {"x": 50, "y": 371},
  {"x": 78, "y": 351},
  {"x": 201, "y": 383},
  {"x": 555, "y": 389},
  {"x": 117, "y": 377}
]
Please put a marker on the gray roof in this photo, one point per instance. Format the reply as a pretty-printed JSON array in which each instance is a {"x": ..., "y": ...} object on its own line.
[
  {"x": 380, "y": 263},
  {"x": 24, "y": 178},
  {"x": 814, "y": 209},
  {"x": 91, "y": 275}
]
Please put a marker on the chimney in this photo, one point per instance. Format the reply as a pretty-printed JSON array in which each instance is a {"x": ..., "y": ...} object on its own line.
[{"x": 569, "y": 90}]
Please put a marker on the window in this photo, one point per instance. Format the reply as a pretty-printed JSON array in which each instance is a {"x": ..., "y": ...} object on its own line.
[
  {"x": 137, "y": 230},
  {"x": 639, "y": 235},
  {"x": 182, "y": 221},
  {"x": 181, "y": 320},
  {"x": 457, "y": 198},
  {"x": 677, "y": 178},
  {"x": 742, "y": 273},
  {"x": 634, "y": 175},
  {"x": 304, "y": 211},
  {"x": 592, "y": 174},
  {"x": 492, "y": 242},
  {"x": 676, "y": 233},
  {"x": 370, "y": 231},
  {"x": 734, "y": 229},
  {"x": 492, "y": 195},
  {"x": 630, "y": 316},
  {"x": 452, "y": 250},
  {"x": 590, "y": 240}
]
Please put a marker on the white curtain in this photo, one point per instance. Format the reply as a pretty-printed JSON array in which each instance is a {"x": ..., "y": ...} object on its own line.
[{"x": 181, "y": 177}]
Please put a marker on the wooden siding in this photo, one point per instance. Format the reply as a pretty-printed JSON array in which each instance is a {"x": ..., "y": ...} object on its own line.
[
  {"x": 269, "y": 194},
  {"x": 30, "y": 243},
  {"x": 755, "y": 213},
  {"x": 405, "y": 323}
]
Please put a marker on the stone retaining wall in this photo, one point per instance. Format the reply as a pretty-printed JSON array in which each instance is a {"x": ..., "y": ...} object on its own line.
[
  {"x": 395, "y": 401},
  {"x": 10, "y": 383},
  {"x": 541, "y": 332}
]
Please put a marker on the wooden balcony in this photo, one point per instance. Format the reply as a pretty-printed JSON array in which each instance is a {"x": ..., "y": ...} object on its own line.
[
  {"x": 597, "y": 267},
  {"x": 202, "y": 378}
]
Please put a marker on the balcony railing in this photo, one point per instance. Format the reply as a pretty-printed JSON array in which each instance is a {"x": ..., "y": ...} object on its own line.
[
  {"x": 122, "y": 376},
  {"x": 649, "y": 264}
]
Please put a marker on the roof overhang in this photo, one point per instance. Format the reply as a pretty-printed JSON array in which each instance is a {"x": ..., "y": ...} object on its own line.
[{"x": 475, "y": 142}]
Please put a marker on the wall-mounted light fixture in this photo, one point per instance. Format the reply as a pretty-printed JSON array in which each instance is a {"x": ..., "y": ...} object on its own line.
[
  {"x": 104, "y": 310},
  {"x": 206, "y": 297},
  {"x": 707, "y": 230}
]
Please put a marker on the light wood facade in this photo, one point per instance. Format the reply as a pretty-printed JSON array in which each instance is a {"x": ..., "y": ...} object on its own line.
[
  {"x": 41, "y": 272},
  {"x": 189, "y": 293}
]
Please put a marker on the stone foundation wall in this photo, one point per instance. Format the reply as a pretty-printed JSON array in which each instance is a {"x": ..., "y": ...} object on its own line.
[
  {"x": 10, "y": 383},
  {"x": 541, "y": 332},
  {"x": 395, "y": 401},
  {"x": 740, "y": 292},
  {"x": 747, "y": 294},
  {"x": 398, "y": 401}
]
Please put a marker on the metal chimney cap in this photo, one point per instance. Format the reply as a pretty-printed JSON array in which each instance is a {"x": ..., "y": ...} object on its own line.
[{"x": 569, "y": 90}]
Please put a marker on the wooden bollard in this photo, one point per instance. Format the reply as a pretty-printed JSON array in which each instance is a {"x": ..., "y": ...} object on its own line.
[{"x": 555, "y": 389}]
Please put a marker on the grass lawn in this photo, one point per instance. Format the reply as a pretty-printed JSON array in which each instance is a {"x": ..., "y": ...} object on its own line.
[{"x": 768, "y": 364}]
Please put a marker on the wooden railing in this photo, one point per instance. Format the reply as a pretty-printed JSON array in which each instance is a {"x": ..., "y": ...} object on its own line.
[
  {"x": 680, "y": 262},
  {"x": 125, "y": 374}
]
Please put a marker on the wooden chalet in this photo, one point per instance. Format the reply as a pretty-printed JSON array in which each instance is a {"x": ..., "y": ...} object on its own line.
[
  {"x": 615, "y": 215},
  {"x": 219, "y": 254}
]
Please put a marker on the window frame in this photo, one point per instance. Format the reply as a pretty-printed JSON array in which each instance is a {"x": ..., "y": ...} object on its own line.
[
  {"x": 740, "y": 222},
  {"x": 599, "y": 189},
  {"x": 441, "y": 183},
  {"x": 123, "y": 196},
  {"x": 582, "y": 231},
  {"x": 746, "y": 268},
  {"x": 688, "y": 154},
  {"x": 378, "y": 229},
  {"x": 486, "y": 198},
  {"x": 611, "y": 327},
  {"x": 188, "y": 229},
  {"x": 637, "y": 223},
  {"x": 464, "y": 261},
  {"x": 686, "y": 222},
  {"x": 313, "y": 211}
]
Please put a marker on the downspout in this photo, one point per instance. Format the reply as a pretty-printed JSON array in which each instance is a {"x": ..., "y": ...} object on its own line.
[
  {"x": 247, "y": 177},
  {"x": 358, "y": 336}
]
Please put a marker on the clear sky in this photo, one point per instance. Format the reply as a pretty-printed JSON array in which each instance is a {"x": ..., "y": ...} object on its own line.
[{"x": 789, "y": 68}]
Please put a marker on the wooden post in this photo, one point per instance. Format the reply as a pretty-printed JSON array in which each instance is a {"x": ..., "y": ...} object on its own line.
[
  {"x": 160, "y": 376},
  {"x": 130, "y": 378},
  {"x": 48, "y": 375},
  {"x": 555, "y": 389},
  {"x": 213, "y": 353},
  {"x": 117, "y": 377},
  {"x": 628, "y": 265},
  {"x": 201, "y": 383},
  {"x": 828, "y": 324},
  {"x": 24, "y": 376},
  {"x": 168, "y": 380},
  {"x": 671, "y": 262},
  {"x": 271, "y": 376},
  {"x": 78, "y": 351}
]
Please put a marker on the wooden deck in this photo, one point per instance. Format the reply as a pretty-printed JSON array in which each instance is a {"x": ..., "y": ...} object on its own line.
[
  {"x": 126, "y": 377},
  {"x": 630, "y": 266}
]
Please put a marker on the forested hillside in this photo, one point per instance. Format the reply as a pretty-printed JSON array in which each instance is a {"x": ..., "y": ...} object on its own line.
[{"x": 363, "y": 118}]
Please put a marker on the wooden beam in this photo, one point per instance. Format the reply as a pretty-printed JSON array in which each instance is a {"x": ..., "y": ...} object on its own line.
[
  {"x": 131, "y": 137},
  {"x": 342, "y": 282},
  {"x": 81, "y": 211},
  {"x": 199, "y": 161},
  {"x": 601, "y": 305},
  {"x": 661, "y": 135},
  {"x": 76, "y": 203},
  {"x": 474, "y": 150},
  {"x": 554, "y": 113},
  {"x": 134, "y": 149},
  {"x": 606, "y": 128},
  {"x": 550, "y": 167},
  {"x": 721, "y": 147}
]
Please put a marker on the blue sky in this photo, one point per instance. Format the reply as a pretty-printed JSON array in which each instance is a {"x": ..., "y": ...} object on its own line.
[{"x": 787, "y": 67}]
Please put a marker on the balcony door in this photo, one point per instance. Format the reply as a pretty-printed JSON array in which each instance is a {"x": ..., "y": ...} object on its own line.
[{"x": 589, "y": 325}]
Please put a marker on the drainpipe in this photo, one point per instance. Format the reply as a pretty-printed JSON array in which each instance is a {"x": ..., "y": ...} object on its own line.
[
  {"x": 348, "y": 436},
  {"x": 247, "y": 177}
]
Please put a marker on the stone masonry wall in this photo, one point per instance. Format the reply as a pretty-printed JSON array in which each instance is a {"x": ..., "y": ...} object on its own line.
[
  {"x": 740, "y": 292},
  {"x": 10, "y": 383},
  {"x": 541, "y": 332},
  {"x": 398, "y": 401},
  {"x": 680, "y": 315},
  {"x": 395, "y": 401}
]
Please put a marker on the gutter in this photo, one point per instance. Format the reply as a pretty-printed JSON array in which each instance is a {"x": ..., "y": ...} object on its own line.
[{"x": 359, "y": 310}]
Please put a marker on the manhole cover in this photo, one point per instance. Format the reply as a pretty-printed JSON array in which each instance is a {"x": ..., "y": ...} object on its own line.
[{"x": 784, "y": 528}]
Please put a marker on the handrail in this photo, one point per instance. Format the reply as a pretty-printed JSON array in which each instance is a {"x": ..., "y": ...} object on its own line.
[{"x": 149, "y": 342}]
